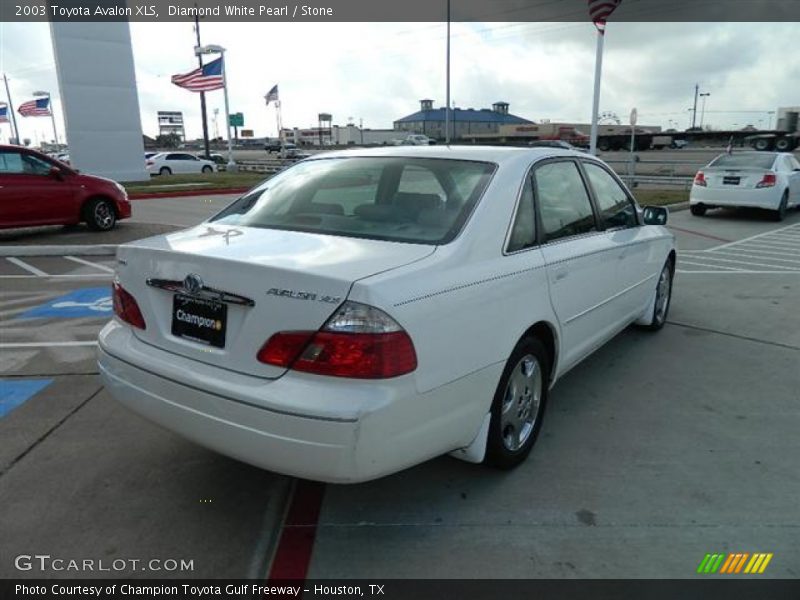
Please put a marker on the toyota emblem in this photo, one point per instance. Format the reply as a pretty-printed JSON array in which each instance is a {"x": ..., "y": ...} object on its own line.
[{"x": 193, "y": 284}]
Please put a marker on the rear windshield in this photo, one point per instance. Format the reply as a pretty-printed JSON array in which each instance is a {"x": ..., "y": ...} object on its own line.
[
  {"x": 418, "y": 200},
  {"x": 754, "y": 160}
]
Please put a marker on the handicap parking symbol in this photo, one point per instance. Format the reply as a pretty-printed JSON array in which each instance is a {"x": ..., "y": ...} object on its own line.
[{"x": 90, "y": 302}]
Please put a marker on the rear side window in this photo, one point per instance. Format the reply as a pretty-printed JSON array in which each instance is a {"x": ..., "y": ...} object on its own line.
[
  {"x": 616, "y": 209},
  {"x": 523, "y": 232},
  {"x": 23, "y": 164},
  {"x": 564, "y": 204},
  {"x": 389, "y": 198}
]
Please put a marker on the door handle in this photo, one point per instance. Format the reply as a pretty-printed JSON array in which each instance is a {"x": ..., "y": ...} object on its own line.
[{"x": 561, "y": 275}]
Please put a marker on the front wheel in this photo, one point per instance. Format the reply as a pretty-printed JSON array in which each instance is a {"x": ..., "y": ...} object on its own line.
[
  {"x": 698, "y": 210},
  {"x": 518, "y": 406},
  {"x": 207, "y": 169},
  {"x": 99, "y": 215},
  {"x": 165, "y": 171},
  {"x": 663, "y": 297}
]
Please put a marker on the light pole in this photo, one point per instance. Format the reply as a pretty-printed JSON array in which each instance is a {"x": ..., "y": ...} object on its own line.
[
  {"x": 703, "y": 108},
  {"x": 43, "y": 94},
  {"x": 214, "y": 49}
]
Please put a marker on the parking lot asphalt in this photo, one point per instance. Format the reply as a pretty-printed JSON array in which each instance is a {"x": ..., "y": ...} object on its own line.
[{"x": 656, "y": 450}]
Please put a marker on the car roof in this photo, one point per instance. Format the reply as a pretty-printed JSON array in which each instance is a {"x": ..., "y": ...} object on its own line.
[{"x": 494, "y": 154}]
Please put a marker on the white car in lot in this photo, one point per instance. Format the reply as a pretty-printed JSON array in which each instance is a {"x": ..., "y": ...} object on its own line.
[
  {"x": 769, "y": 180},
  {"x": 364, "y": 311},
  {"x": 167, "y": 163}
]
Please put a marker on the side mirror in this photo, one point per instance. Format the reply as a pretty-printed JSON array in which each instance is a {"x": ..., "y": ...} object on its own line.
[
  {"x": 655, "y": 215},
  {"x": 56, "y": 173}
]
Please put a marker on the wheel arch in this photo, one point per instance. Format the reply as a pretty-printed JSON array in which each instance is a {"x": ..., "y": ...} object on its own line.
[{"x": 546, "y": 333}]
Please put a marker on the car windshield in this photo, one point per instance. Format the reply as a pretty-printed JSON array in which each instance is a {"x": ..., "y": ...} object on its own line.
[
  {"x": 417, "y": 200},
  {"x": 756, "y": 160}
]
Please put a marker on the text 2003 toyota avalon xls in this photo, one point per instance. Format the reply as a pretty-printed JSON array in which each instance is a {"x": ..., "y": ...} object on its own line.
[{"x": 364, "y": 311}]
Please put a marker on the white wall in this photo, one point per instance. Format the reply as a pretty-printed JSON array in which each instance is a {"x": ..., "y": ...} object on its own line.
[{"x": 97, "y": 86}]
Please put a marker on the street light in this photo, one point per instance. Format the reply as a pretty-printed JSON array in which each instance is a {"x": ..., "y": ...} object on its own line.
[
  {"x": 703, "y": 108},
  {"x": 43, "y": 94},
  {"x": 214, "y": 49}
]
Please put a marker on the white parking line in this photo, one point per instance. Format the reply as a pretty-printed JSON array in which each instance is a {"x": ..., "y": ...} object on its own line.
[
  {"x": 771, "y": 243},
  {"x": 687, "y": 262},
  {"x": 47, "y": 344},
  {"x": 746, "y": 262},
  {"x": 761, "y": 255},
  {"x": 23, "y": 265},
  {"x": 683, "y": 272},
  {"x": 89, "y": 263},
  {"x": 794, "y": 227}
]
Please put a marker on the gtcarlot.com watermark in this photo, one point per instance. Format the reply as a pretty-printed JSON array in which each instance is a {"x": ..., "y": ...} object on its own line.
[{"x": 46, "y": 562}]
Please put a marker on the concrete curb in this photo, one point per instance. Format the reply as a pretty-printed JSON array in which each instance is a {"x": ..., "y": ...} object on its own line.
[
  {"x": 678, "y": 206},
  {"x": 184, "y": 193},
  {"x": 72, "y": 250}
]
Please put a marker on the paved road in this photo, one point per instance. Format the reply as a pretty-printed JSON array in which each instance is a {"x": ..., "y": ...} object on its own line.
[{"x": 655, "y": 451}]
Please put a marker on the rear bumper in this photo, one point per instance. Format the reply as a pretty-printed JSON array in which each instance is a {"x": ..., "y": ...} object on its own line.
[
  {"x": 768, "y": 198},
  {"x": 385, "y": 428}
]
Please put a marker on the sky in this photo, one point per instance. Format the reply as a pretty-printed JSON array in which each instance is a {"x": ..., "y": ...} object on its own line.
[{"x": 376, "y": 73}]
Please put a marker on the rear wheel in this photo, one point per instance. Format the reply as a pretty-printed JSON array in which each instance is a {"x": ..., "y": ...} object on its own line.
[
  {"x": 207, "y": 169},
  {"x": 165, "y": 171},
  {"x": 99, "y": 215},
  {"x": 698, "y": 210},
  {"x": 603, "y": 146},
  {"x": 518, "y": 406},
  {"x": 780, "y": 213},
  {"x": 784, "y": 144}
]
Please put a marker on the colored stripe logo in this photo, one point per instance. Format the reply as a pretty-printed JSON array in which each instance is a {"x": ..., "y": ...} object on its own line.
[{"x": 734, "y": 563}]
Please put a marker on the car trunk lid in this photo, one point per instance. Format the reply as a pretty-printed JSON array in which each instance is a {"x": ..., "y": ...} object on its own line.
[{"x": 244, "y": 285}]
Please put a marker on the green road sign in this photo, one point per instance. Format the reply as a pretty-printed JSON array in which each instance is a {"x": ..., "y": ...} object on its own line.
[{"x": 236, "y": 120}]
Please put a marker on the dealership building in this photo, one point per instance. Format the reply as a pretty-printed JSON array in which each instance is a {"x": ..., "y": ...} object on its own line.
[{"x": 463, "y": 121}]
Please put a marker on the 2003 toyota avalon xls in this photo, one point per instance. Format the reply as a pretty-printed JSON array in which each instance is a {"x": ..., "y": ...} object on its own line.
[{"x": 364, "y": 311}]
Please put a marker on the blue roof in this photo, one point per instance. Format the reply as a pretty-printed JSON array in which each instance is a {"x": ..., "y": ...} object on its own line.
[{"x": 460, "y": 114}]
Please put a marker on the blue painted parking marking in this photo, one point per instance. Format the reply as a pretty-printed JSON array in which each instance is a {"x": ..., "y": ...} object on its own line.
[
  {"x": 89, "y": 302},
  {"x": 14, "y": 392}
]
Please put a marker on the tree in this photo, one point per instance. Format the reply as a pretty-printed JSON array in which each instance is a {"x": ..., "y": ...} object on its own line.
[{"x": 170, "y": 140}]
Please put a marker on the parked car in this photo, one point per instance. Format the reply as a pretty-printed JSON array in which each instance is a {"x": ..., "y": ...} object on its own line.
[
  {"x": 414, "y": 139},
  {"x": 167, "y": 163},
  {"x": 276, "y": 146},
  {"x": 364, "y": 311},
  {"x": 768, "y": 180},
  {"x": 39, "y": 190}
]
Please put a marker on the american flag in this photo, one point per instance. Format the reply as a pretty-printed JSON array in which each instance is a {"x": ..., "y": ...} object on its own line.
[
  {"x": 35, "y": 108},
  {"x": 272, "y": 95},
  {"x": 600, "y": 10},
  {"x": 204, "y": 79},
  {"x": 3, "y": 114}
]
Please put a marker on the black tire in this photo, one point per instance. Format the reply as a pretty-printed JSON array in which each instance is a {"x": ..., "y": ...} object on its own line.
[
  {"x": 206, "y": 169},
  {"x": 698, "y": 210},
  {"x": 780, "y": 213},
  {"x": 762, "y": 144},
  {"x": 99, "y": 215},
  {"x": 784, "y": 144},
  {"x": 165, "y": 171},
  {"x": 603, "y": 146},
  {"x": 504, "y": 450},
  {"x": 661, "y": 311}
]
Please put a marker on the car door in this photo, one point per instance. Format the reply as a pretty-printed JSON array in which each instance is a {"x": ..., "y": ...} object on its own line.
[
  {"x": 793, "y": 168},
  {"x": 631, "y": 242},
  {"x": 581, "y": 268},
  {"x": 30, "y": 195}
]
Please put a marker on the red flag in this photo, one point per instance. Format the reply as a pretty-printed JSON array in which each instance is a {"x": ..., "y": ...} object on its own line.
[{"x": 600, "y": 10}]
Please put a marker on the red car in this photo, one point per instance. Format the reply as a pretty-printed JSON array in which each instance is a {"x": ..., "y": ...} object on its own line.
[{"x": 38, "y": 190}]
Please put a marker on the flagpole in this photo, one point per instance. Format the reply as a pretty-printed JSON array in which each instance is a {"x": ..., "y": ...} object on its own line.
[
  {"x": 11, "y": 110},
  {"x": 231, "y": 166},
  {"x": 447, "y": 94},
  {"x": 598, "y": 67}
]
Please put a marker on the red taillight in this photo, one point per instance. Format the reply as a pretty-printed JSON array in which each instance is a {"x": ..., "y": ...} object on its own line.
[
  {"x": 769, "y": 180},
  {"x": 125, "y": 306},
  {"x": 358, "y": 341},
  {"x": 357, "y": 355},
  {"x": 149, "y": 163},
  {"x": 700, "y": 179}
]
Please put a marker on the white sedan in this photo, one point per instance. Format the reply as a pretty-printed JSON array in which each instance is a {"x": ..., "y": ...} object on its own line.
[
  {"x": 167, "y": 163},
  {"x": 769, "y": 180},
  {"x": 364, "y": 311}
]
